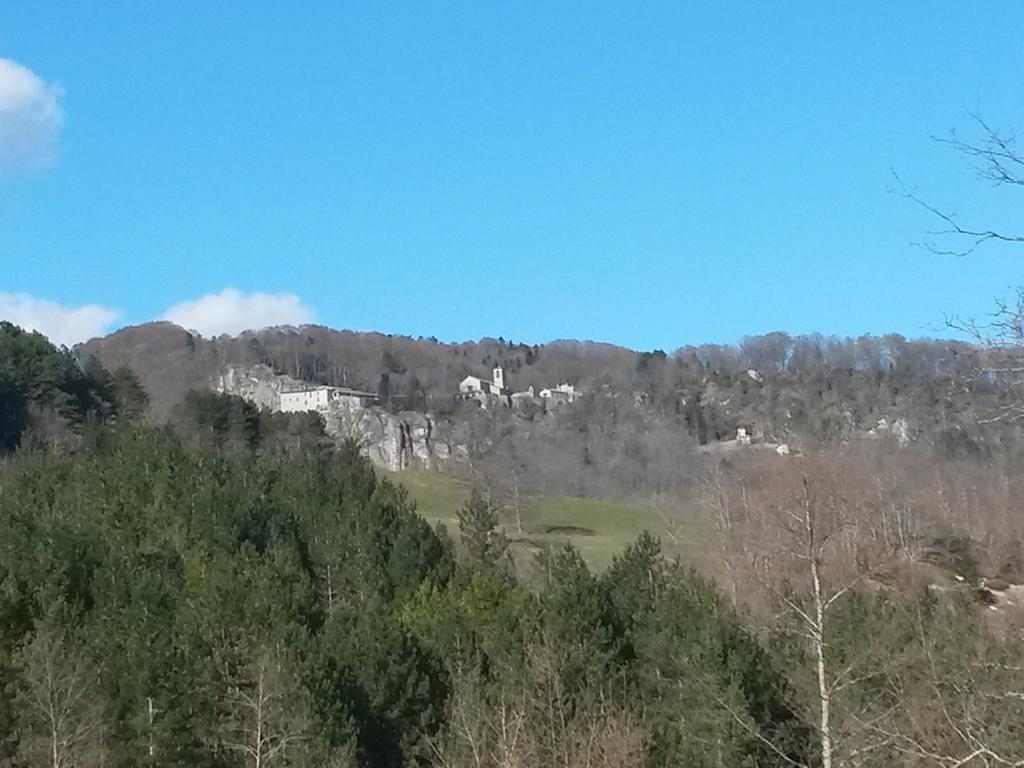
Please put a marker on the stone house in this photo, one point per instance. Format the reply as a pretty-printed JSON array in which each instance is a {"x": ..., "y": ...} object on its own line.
[
  {"x": 563, "y": 393},
  {"x": 317, "y": 398}
]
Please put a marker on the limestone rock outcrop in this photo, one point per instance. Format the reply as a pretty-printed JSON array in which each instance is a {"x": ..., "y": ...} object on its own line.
[{"x": 392, "y": 440}]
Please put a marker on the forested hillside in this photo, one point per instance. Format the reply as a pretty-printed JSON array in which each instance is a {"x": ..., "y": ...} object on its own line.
[
  {"x": 644, "y": 417},
  {"x": 237, "y": 592},
  {"x": 814, "y": 387},
  {"x": 46, "y": 397}
]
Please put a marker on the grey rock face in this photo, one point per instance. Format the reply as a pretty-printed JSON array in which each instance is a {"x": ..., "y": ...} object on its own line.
[{"x": 393, "y": 441}]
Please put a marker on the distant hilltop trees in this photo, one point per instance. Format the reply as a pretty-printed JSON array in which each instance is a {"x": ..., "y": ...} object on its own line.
[{"x": 636, "y": 415}]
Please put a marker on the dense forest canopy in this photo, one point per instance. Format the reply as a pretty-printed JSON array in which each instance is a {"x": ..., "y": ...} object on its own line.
[
  {"x": 236, "y": 591},
  {"x": 46, "y": 396},
  {"x": 225, "y": 598}
]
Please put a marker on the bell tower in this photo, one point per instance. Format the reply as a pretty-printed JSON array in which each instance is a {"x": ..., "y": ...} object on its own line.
[{"x": 498, "y": 377}]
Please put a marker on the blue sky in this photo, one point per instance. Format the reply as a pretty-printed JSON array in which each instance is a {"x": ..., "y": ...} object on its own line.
[{"x": 650, "y": 174}]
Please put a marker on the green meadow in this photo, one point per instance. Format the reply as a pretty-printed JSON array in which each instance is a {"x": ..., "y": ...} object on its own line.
[{"x": 598, "y": 529}]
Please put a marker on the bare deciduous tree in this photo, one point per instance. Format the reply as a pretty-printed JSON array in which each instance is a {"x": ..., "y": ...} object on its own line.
[
  {"x": 994, "y": 158},
  {"x": 265, "y": 720},
  {"x": 968, "y": 707},
  {"x": 534, "y": 722},
  {"x": 793, "y": 540},
  {"x": 811, "y": 535},
  {"x": 809, "y": 526},
  {"x": 481, "y": 734},
  {"x": 60, "y": 703}
]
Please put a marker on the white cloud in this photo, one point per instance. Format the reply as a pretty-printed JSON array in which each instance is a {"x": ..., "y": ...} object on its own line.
[
  {"x": 233, "y": 312},
  {"x": 60, "y": 324},
  {"x": 30, "y": 118}
]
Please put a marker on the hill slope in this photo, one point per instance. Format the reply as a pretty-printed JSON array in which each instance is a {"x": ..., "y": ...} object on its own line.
[{"x": 645, "y": 415}]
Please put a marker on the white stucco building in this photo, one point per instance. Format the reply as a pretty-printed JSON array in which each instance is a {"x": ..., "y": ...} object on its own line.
[
  {"x": 472, "y": 386},
  {"x": 485, "y": 392},
  {"x": 563, "y": 393},
  {"x": 317, "y": 398}
]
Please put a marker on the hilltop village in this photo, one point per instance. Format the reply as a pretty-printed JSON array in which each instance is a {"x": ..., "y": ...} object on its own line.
[
  {"x": 487, "y": 392},
  {"x": 497, "y": 392},
  {"x": 393, "y": 438}
]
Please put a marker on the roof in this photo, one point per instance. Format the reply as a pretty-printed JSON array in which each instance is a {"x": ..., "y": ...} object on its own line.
[
  {"x": 342, "y": 390},
  {"x": 353, "y": 392}
]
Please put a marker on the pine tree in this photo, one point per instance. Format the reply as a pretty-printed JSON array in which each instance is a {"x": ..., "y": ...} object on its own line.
[{"x": 483, "y": 541}]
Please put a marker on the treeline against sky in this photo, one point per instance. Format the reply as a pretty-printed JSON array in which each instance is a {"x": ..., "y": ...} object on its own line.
[
  {"x": 424, "y": 373},
  {"x": 643, "y": 415}
]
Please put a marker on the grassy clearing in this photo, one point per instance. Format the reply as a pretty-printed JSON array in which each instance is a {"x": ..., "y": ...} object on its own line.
[
  {"x": 438, "y": 496},
  {"x": 598, "y": 529}
]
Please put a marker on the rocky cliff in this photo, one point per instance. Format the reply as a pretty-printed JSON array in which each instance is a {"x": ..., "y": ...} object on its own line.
[{"x": 392, "y": 440}]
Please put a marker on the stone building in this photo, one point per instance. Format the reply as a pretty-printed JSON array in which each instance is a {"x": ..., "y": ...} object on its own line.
[
  {"x": 472, "y": 386},
  {"x": 563, "y": 393},
  {"x": 318, "y": 398}
]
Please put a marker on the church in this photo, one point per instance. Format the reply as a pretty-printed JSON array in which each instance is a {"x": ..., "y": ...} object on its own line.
[{"x": 473, "y": 386}]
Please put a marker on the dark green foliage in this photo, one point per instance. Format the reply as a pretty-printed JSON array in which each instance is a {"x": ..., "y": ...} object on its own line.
[
  {"x": 579, "y": 617},
  {"x": 233, "y": 425},
  {"x": 13, "y": 412},
  {"x": 695, "y": 665},
  {"x": 387, "y": 684},
  {"x": 44, "y": 394},
  {"x": 647, "y": 638},
  {"x": 484, "y": 544},
  {"x": 195, "y": 571},
  {"x": 181, "y": 567},
  {"x": 222, "y": 421}
]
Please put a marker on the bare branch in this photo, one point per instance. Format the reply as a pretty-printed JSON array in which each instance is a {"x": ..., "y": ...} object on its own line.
[
  {"x": 977, "y": 237},
  {"x": 755, "y": 733},
  {"x": 994, "y": 157}
]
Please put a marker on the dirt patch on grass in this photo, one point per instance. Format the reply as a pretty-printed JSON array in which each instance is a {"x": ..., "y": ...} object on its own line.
[{"x": 565, "y": 530}]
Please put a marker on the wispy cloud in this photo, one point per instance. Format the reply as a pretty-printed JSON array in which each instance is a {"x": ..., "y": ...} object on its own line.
[
  {"x": 60, "y": 324},
  {"x": 30, "y": 118},
  {"x": 232, "y": 312}
]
